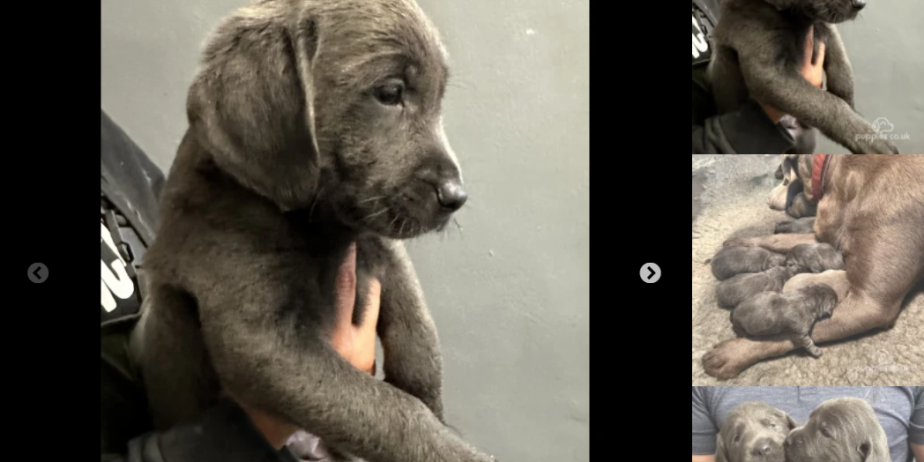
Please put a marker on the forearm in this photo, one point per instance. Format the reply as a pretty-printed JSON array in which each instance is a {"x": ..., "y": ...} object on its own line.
[
  {"x": 918, "y": 451},
  {"x": 703, "y": 458}
]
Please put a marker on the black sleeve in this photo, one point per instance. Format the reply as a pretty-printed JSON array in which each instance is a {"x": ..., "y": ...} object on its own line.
[
  {"x": 746, "y": 131},
  {"x": 223, "y": 433}
]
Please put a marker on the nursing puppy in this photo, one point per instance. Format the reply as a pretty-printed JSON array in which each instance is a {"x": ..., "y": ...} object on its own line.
[
  {"x": 312, "y": 125},
  {"x": 834, "y": 279},
  {"x": 731, "y": 292},
  {"x": 790, "y": 314},
  {"x": 753, "y": 432},
  {"x": 759, "y": 54},
  {"x": 731, "y": 261},
  {"x": 813, "y": 258},
  {"x": 839, "y": 430}
]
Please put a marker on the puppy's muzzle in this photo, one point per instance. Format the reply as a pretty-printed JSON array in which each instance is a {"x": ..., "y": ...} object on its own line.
[
  {"x": 765, "y": 448},
  {"x": 859, "y": 5},
  {"x": 450, "y": 195}
]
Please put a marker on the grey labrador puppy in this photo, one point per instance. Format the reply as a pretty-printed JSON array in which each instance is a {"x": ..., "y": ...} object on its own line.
[
  {"x": 312, "y": 125},
  {"x": 753, "y": 432},
  {"x": 835, "y": 279},
  {"x": 732, "y": 292},
  {"x": 839, "y": 430},
  {"x": 759, "y": 53},
  {"x": 732, "y": 261},
  {"x": 813, "y": 258},
  {"x": 791, "y": 314}
]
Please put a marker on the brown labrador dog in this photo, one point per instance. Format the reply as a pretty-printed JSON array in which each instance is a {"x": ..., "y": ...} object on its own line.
[{"x": 871, "y": 208}]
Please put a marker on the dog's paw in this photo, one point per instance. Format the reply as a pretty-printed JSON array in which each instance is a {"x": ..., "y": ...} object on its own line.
[
  {"x": 877, "y": 146},
  {"x": 724, "y": 362},
  {"x": 784, "y": 227},
  {"x": 737, "y": 242}
]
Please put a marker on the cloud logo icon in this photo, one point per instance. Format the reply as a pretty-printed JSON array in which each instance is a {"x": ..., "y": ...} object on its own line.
[{"x": 882, "y": 125}]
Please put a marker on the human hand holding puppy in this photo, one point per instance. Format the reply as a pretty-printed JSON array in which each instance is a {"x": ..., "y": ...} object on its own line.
[
  {"x": 355, "y": 343},
  {"x": 814, "y": 73}
]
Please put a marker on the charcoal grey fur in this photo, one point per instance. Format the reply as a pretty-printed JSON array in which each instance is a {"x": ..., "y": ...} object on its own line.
[
  {"x": 759, "y": 53},
  {"x": 800, "y": 226},
  {"x": 790, "y": 314},
  {"x": 732, "y": 261},
  {"x": 312, "y": 124},
  {"x": 813, "y": 258},
  {"x": 753, "y": 432},
  {"x": 730, "y": 293},
  {"x": 842, "y": 430}
]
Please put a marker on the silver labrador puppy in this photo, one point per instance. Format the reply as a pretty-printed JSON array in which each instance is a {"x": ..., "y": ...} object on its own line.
[
  {"x": 759, "y": 54},
  {"x": 753, "y": 432},
  {"x": 312, "y": 125},
  {"x": 839, "y": 430}
]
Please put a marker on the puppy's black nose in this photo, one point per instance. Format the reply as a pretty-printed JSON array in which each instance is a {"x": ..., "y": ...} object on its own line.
[
  {"x": 859, "y": 4},
  {"x": 451, "y": 195}
]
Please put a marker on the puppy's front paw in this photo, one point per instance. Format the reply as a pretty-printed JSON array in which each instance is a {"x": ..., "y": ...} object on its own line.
[
  {"x": 784, "y": 227},
  {"x": 877, "y": 146}
]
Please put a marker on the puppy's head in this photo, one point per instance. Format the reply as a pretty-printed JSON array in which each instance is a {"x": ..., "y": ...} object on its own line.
[
  {"x": 753, "y": 432},
  {"x": 333, "y": 103},
  {"x": 832, "y": 11},
  {"x": 782, "y": 196},
  {"x": 842, "y": 430},
  {"x": 813, "y": 258},
  {"x": 819, "y": 299}
]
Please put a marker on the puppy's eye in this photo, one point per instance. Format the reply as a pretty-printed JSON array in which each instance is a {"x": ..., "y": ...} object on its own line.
[
  {"x": 826, "y": 433},
  {"x": 737, "y": 438},
  {"x": 773, "y": 425},
  {"x": 390, "y": 94}
]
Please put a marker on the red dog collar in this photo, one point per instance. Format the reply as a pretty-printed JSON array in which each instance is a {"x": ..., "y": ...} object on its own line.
[{"x": 819, "y": 171}]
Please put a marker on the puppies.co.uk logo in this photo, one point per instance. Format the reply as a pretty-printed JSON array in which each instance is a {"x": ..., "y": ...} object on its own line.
[{"x": 885, "y": 130}]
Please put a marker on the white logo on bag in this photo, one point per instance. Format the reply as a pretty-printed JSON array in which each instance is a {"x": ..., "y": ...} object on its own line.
[
  {"x": 700, "y": 45},
  {"x": 114, "y": 280}
]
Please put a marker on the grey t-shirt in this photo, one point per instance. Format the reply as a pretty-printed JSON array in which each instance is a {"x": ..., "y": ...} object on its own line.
[{"x": 900, "y": 410}]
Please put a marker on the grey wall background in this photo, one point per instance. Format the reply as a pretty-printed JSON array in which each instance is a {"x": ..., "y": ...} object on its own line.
[
  {"x": 886, "y": 48},
  {"x": 510, "y": 293}
]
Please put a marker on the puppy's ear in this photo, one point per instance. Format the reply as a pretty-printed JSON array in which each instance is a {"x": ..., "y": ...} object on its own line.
[
  {"x": 791, "y": 422},
  {"x": 721, "y": 454},
  {"x": 252, "y": 103}
]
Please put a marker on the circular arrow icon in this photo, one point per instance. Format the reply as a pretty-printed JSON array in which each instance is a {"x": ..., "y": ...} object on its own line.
[
  {"x": 38, "y": 273},
  {"x": 650, "y": 273}
]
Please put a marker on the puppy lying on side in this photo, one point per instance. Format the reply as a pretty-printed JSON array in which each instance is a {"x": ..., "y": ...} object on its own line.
[
  {"x": 813, "y": 258},
  {"x": 732, "y": 292},
  {"x": 753, "y": 432},
  {"x": 732, "y": 261},
  {"x": 834, "y": 279},
  {"x": 793, "y": 314},
  {"x": 842, "y": 430},
  {"x": 758, "y": 53}
]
